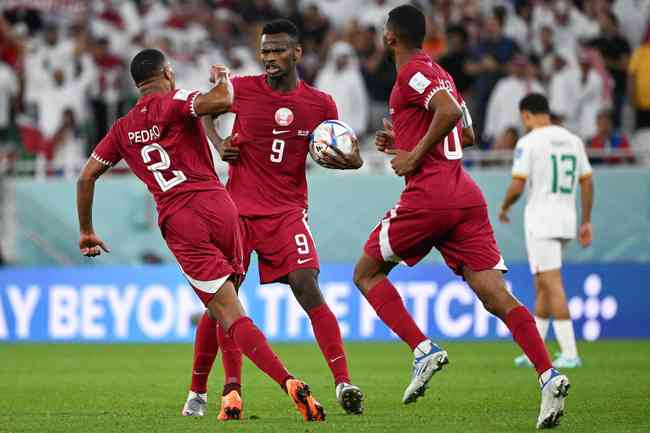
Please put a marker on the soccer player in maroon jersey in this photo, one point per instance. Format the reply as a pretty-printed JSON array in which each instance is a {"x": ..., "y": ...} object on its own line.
[
  {"x": 163, "y": 142},
  {"x": 275, "y": 114},
  {"x": 442, "y": 207}
]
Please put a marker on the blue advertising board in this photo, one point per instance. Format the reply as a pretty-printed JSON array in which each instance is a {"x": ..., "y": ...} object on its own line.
[{"x": 155, "y": 304}]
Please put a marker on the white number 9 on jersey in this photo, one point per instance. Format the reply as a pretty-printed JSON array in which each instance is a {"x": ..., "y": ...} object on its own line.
[{"x": 158, "y": 167}]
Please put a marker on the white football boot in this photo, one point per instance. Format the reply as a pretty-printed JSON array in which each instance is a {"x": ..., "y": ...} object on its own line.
[
  {"x": 195, "y": 404},
  {"x": 555, "y": 388},
  {"x": 350, "y": 398},
  {"x": 429, "y": 359}
]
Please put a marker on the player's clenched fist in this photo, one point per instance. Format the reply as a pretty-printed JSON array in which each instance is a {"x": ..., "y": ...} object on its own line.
[
  {"x": 229, "y": 151},
  {"x": 385, "y": 138},
  {"x": 585, "y": 234},
  {"x": 219, "y": 73},
  {"x": 90, "y": 245}
]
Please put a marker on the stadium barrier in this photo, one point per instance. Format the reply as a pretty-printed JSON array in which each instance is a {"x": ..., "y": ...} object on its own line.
[
  {"x": 155, "y": 304},
  {"x": 344, "y": 207}
]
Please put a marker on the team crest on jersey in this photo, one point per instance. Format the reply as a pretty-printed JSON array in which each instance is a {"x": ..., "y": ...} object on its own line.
[{"x": 284, "y": 116}]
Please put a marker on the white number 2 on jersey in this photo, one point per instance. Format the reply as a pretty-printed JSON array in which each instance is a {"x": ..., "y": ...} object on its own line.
[
  {"x": 457, "y": 153},
  {"x": 158, "y": 167}
]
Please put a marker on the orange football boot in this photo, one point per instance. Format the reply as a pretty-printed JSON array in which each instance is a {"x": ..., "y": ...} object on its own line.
[
  {"x": 232, "y": 407},
  {"x": 304, "y": 401}
]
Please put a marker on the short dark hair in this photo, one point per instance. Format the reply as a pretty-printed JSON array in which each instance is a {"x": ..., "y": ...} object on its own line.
[
  {"x": 147, "y": 64},
  {"x": 409, "y": 24},
  {"x": 281, "y": 26},
  {"x": 535, "y": 103}
]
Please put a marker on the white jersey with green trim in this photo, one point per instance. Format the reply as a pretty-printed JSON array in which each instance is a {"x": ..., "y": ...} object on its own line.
[{"x": 552, "y": 160}]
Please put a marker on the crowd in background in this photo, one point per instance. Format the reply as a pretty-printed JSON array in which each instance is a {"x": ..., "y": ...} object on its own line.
[{"x": 64, "y": 64}]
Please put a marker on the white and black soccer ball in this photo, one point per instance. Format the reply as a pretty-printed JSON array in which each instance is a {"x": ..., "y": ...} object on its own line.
[{"x": 330, "y": 135}]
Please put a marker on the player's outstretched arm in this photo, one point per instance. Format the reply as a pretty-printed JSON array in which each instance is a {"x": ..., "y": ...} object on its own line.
[
  {"x": 513, "y": 193},
  {"x": 447, "y": 112},
  {"x": 585, "y": 233},
  {"x": 90, "y": 244},
  {"x": 220, "y": 98}
]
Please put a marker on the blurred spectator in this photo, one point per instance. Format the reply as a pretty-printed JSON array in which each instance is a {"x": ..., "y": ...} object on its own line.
[
  {"x": 53, "y": 52},
  {"x": 577, "y": 94},
  {"x": 313, "y": 25},
  {"x": 341, "y": 77},
  {"x": 378, "y": 73},
  {"x": 260, "y": 11},
  {"x": 544, "y": 49},
  {"x": 639, "y": 71},
  {"x": 338, "y": 12},
  {"x": 375, "y": 12},
  {"x": 615, "y": 51},
  {"x": 456, "y": 57},
  {"x": 633, "y": 16},
  {"x": 518, "y": 24},
  {"x": 106, "y": 88},
  {"x": 503, "y": 106},
  {"x": 607, "y": 138},
  {"x": 570, "y": 26},
  {"x": 8, "y": 93},
  {"x": 488, "y": 65}
]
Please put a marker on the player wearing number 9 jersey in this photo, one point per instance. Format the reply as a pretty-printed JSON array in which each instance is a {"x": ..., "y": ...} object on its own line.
[
  {"x": 441, "y": 207},
  {"x": 163, "y": 142},
  {"x": 275, "y": 114}
]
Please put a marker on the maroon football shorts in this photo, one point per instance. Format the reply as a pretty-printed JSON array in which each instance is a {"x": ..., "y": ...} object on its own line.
[
  {"x": 283, "y": 244},
  {"x": 205, "y": 238},
  {"x": 464, "y": 237}
]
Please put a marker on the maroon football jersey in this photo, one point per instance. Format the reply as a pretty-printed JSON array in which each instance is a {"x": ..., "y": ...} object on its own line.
[
  {"x": 163, "y": 142},
  {"x": 273, "y": 136},
  {"x": 440, "y": 182}
]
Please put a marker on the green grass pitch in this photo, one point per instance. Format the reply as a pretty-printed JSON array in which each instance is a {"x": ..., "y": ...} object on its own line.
[{"x": 141, "y": 388}]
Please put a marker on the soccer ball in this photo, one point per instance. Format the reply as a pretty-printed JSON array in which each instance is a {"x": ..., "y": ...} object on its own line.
[{"x": 329, "y": 135}]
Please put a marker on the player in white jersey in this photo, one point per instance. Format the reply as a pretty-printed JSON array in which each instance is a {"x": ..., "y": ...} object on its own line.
[{"x": 551, "y": 161}]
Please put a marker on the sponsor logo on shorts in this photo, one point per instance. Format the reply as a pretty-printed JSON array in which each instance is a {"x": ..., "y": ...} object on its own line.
[{"x": 303, "y": 261}]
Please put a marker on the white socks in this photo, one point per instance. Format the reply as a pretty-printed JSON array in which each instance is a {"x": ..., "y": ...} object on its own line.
[
  {"x": 542, "y": 326},
  {"x": 564, "y": 334}
]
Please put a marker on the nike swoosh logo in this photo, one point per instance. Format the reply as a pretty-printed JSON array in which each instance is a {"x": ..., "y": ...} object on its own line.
[
  {"x": 336, "y": 359},
  {"x": 280, "y": 131},
  {"x": 199, "y": 373},
  {"x": 301, "y": 261}
]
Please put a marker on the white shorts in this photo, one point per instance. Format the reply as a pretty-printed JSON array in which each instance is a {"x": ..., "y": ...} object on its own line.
[{"x": 544, "y": 254}]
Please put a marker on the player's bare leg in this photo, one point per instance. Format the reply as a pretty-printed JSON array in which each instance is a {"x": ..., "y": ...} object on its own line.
[
  {"x": 491, "y": 289},
  {"x": 371, "y": 277},
  {"x": 562, "y": 325},
  {"x": 226, "y": 307},
  {"x": 304, "y": 285}
]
